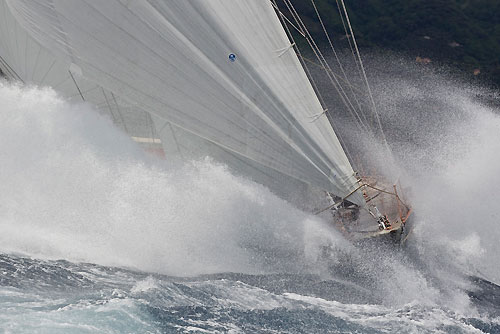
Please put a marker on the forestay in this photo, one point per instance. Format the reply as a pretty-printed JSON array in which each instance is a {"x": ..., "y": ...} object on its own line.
[{"x": 222, "y": 70}]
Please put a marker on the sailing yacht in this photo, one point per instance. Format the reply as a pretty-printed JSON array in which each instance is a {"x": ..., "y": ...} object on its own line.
[{"x": 190, "y": 78}]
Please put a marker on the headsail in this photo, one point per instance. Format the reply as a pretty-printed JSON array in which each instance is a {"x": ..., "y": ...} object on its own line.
[{"x": 221, "y": 70}]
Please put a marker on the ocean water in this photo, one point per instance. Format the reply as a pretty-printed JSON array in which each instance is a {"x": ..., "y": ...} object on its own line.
[{"x": 98, "y": 237}]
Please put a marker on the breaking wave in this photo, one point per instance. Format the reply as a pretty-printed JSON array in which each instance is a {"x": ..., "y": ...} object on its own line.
[{"x": 75, "y": 187}]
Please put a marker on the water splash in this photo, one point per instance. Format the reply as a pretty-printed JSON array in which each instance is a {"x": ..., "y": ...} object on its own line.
[
  {"x": 74, "y": 187},
  {"x": 445, "y": 135}
]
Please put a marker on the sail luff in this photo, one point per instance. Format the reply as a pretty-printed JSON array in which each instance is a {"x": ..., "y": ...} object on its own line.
[
  {"x": 285, "y": 40},
  {"x": 328, "y": 127}
]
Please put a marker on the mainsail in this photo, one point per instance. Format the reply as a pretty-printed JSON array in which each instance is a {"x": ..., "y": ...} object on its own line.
[{"x": 221, "y": 71}]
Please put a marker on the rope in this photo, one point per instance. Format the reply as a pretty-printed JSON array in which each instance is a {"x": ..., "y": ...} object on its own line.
[
  {"x": 10, "y": 70},
  {"x": 333, "y": 73},
  {"x": 289, "y": 33},
  {"x": 388, "y": 192},
  {"x": 348, "y": 39},
  {"x": 109, "y": 106},
  {"x": 322, "y": 60},
  {"x": 306, "y": 68},
  {"x": 311, "y": 78},
  {"x": 154, "y": 134},
  {"x": 336, "y": 56},
  {"x": 78, "y": 88},
  {"x": 119, "y": 112},
  {"x": 341, "y": 201},
  {"x": 359, "y": 187},
  {"x": 283, "y": 16},
  {"x": 316, "y": 49},
  {"x": 366, "y": 80},
  {"x": 175, "y": 139}
]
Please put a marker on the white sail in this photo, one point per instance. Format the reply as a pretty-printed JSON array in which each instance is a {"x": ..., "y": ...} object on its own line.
[
  {"x": 223, "y": 71},
  {"x": 24, "y": 59}
]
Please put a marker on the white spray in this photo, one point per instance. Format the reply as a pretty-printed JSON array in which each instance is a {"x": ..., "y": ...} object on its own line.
[{"x": 75, "y": 187}]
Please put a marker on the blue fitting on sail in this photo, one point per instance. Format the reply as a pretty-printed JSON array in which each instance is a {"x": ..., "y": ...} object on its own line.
[{"x": 232, "y": 57}]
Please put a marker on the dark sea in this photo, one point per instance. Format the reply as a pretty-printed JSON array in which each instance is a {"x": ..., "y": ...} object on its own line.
[
  {"x": 98, "y": 237},
  {"x": 63, "y": 297}
]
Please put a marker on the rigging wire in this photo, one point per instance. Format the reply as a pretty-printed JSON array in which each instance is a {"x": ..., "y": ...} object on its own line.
[
  {"x": 325, "y": 65},
  {"x": 354, "y": 87},
  {"x": 318, "y": 53},
  {"x": 119, "y": 112},
  {"x": 336, "y": 55},
  {"x": 366, "y": 81},
  {"x": 115, "y": 120},
  {"x": 9, "y": 70},
  {"x": 283, "y": 16},
  {"x": 345, "y": 99},
  {"x": 283, "y": 20},
  {"x": 313, "y": 81},
  {"x": 348, "y": 39},
  {"x": 151, "y": 125},
  {"x": 74, "y": 81}
]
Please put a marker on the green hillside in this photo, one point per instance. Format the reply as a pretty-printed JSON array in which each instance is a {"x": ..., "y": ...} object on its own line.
[{"x": 462, "y": 33}]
